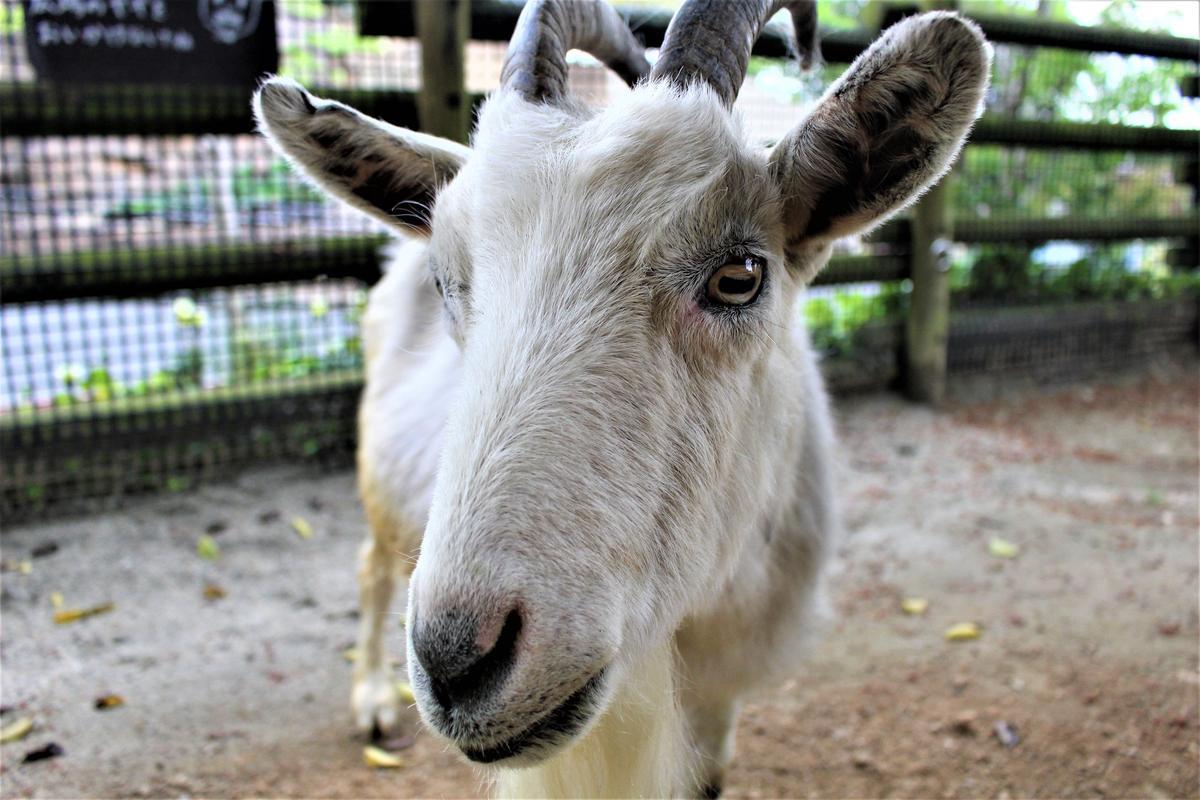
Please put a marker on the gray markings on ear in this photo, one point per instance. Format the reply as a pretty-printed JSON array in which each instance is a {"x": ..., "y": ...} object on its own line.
[
  {"x": 885, "y": 131},
  {"x": 388, "y": 172}
]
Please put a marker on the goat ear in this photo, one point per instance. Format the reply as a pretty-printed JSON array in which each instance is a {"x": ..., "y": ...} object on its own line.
[
  {"x": 885, "y": 131},
  {"x": 391, "y": 173}
]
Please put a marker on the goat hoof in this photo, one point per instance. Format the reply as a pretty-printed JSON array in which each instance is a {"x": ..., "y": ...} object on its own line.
[{"x": 375, "y": 703}]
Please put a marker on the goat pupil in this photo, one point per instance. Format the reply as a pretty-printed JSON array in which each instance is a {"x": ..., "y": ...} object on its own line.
[{"x": 734, "y": 286}]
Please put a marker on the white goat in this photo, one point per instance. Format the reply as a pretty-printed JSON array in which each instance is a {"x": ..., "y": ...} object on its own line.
[{"x": 617, "y": 444}]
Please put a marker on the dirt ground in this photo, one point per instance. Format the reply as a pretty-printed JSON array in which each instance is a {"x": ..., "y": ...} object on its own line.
[{"x": 1088, "y": 652}]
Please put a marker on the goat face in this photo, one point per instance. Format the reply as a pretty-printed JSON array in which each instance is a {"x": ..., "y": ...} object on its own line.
[
  {"x": 617, "y": 284},
  {"x": 621, "y": 284}
]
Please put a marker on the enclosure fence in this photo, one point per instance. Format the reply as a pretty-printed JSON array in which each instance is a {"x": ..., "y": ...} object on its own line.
[{"x": 175, "y": 302}]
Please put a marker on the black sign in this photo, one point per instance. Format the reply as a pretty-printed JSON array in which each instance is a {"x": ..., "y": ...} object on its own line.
[{"x": 224, "y": 42}]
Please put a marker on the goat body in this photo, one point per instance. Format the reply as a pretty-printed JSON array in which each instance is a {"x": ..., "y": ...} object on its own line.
[{"x": 611, "y": 445}]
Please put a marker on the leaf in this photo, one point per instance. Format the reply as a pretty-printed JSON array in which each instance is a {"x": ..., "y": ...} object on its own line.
[
  {"x": 213, "y": 592},
  {"x": 962, "y": 632},
  {"x": 404, "y": 692},
  {"x": 381, "y": 759},
  {"x": 1002, "y": 548},
  {"x": 56, "y": 600},
  {"x": 207, "y": 548},
  {"x": 914, "y": 605},
  {"x": 350, "y": 654},
  {"x": 302, "y": 527},
  {"x": 51, "y": 750},
  {"x": 105, "y": 702},
  {"x": 68, "y": 615},
  {"x": 16, "y": 731}
]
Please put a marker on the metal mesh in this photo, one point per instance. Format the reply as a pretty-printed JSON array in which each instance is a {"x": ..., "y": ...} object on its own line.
[{"x": 176, "y": 301}]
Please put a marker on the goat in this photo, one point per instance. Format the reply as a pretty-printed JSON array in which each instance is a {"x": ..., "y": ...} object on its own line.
[{"x": 614, "y": 452}]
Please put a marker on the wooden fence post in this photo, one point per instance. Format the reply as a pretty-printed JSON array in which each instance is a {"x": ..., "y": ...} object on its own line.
[
  {"x": 443, "y": 105},
  {"x": 928, "y": 320}
]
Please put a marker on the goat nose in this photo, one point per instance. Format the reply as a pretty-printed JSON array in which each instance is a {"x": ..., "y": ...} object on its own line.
[{"x": 467, "y": 657}]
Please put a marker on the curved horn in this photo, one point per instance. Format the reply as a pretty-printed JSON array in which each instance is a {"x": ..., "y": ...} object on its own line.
[
  {"x": 710, "y": 40},
  {"x": 536, "y": 64}
]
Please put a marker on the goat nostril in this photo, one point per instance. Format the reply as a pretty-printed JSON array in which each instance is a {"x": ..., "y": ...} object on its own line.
[{"x": 461, "y": 672}]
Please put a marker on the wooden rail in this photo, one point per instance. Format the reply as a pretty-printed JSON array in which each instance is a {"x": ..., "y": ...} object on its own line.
[
  {"x": 180, "y": 414},
  {"x": 39, "y": 110},
  {"x": 494, "y": 20},
  {"x": 152, "y": 271}
]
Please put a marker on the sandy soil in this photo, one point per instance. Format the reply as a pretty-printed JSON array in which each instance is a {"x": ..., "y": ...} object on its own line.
[{"x": 1088, "y": 651}]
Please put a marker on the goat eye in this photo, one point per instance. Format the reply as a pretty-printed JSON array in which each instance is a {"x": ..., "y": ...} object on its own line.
[
  {"x": 736, "y": 283},
  {"x": 437, "y": 284}
]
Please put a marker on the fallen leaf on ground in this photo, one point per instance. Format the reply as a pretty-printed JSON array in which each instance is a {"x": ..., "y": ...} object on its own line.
[
  {"x": 396, "y": 743},
  {"x": 1002, "y": 548},
  {"x": 207, "y": 548},
  {"x": 56, "y": 600},
  {"x": 962, "y": 632},
  {"x": 350, "y": 654},
  {"x": 63, "y": 616},
  {"x": 51, "y": 750},
  {"x": 914, "y": 605},
  {"x": 381, "y": 759},
  {"x": 1007, "y": 734},
  {"x": 16, "y": 730},
  {"x": 405, "y": 693},
  {"x": 105, "y": 702},
  {"x": 213, "y": 592},
  {"x": 302, "y": 528},
  {"x": 44, "y": 549},
  {"x": 23, "y": 567}
]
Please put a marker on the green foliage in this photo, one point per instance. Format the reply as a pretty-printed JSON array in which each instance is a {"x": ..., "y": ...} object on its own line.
[
  {"x": 192, "y": 201},
  {"x": 327, "y": 53},
  {"x": 302, "y": 9},
  {"x": 278, "y": 184},
  {"x": 12, "y": 19},
  {"x": 834, "y": 320},
  {"x": 1008, "y": 275}
]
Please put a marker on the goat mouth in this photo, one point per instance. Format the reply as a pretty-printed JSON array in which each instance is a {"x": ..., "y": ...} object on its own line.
[{"x": 561, "y": 723}]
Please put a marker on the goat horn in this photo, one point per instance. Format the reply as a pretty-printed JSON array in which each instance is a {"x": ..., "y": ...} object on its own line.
[
  {"x": 711, "y": 40},
  {"x": 536, "y": 64}
]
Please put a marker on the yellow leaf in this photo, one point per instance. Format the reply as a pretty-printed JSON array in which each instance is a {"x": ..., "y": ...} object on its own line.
[
  {"x": 207, "y": 548},
  {"x": 962, "y": 632},
  {"x": 381, "y": 759},
  {"x": 914, "y": 605},
  {"x": 405, "y": 693},
  {"x": 56, "y": 600},
  {"x": 1002, "y": 548},
  {"x": 63, "y": 616},
  {"x": 109, "y": 701},
  {"x": 25, "y": 567},
  {"x": 350, "y": 654},
  {"x": 16, "y": 731},
  {"x": 302, "y": 528}
]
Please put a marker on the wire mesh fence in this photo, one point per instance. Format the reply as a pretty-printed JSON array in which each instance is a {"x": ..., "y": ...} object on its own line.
[{"x": 176, "y": 301}]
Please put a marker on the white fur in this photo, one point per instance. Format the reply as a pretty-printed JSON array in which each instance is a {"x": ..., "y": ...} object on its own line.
[{"x": 643, "y": 479}]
